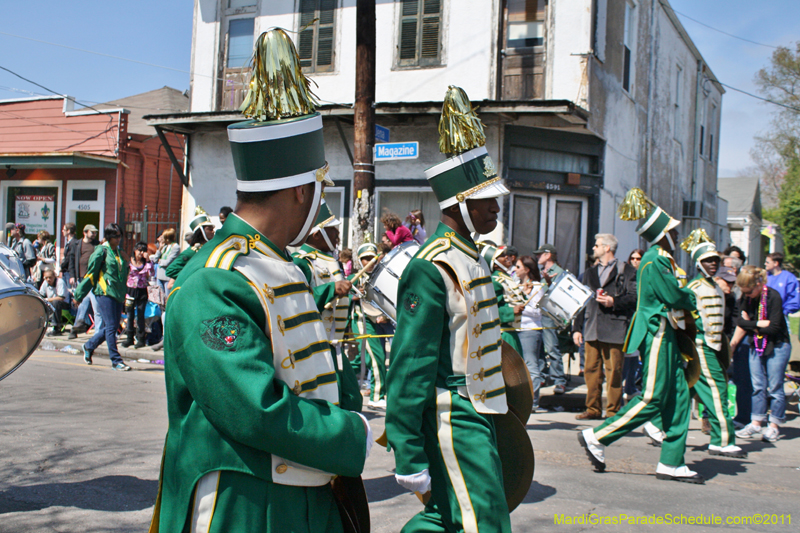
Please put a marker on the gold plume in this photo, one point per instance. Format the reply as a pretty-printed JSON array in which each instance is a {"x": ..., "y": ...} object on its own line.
[
  {"x": 697, "y": 236},
  {"x": 278, "y": 87},
  {"x": 635, "y": 206},
  {"x": 460, "y": 129},
  {"x": 199, "y": 211}
]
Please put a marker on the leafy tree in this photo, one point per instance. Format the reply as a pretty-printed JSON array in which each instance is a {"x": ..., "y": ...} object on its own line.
[{"x": 778, "y": 150}]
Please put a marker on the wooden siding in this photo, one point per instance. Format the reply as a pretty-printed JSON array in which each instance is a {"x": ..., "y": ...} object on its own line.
[{"x": 42, "y": 126}]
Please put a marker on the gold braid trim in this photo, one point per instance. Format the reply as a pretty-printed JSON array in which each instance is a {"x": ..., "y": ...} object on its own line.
[{"x": 466, "y": 194}]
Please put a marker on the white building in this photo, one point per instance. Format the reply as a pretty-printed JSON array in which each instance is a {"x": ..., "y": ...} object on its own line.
[{"x": 582, "y": 99}]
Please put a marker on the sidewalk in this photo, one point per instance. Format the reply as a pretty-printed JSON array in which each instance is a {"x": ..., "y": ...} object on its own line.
[{"x": 128, "y": 354}]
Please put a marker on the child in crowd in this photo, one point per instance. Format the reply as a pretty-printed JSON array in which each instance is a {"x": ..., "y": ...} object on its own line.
[
  {"x": 395, "y": 230},
  {"x": 346, "y": 259},
  {"x": 415, "y": 222},
  {"x": 136, "y": 299}
]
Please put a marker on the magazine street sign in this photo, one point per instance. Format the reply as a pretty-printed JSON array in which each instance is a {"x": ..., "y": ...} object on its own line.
[{"x": 395, "y": 151}]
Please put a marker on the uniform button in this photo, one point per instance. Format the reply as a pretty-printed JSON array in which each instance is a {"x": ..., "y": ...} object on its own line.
[{"x": 281, "y": 469}]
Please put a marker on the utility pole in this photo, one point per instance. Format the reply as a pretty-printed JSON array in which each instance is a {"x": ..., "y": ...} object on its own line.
[{"x": 364, "y": 125}]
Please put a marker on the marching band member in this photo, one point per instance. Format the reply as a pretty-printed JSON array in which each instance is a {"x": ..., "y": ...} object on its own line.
[
  {"x": 445, "y": 379},
  {"x": 202, "y": 232},
  {"x": 712, "y": 387},
  {"x": 366, "y": 320},
  {"x": 653, "y": 332},
  {"x": 316, "y": 258},
  {"x": 256, "y": 433},
  {"x": 510, "y": 298}
]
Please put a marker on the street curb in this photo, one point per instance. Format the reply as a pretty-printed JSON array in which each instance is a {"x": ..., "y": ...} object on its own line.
[{"x": 128, "y": 354}]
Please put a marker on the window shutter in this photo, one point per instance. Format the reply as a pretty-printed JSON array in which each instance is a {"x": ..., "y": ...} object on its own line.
[
  {"x": 430, "y": 29},
  {"x": 408, "y": 39},
  {"x": 305, "y": 48},
  {"x": 325, "y": 36}
]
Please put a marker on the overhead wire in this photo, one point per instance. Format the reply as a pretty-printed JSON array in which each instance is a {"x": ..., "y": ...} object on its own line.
[{"x": 719, "y": 30}]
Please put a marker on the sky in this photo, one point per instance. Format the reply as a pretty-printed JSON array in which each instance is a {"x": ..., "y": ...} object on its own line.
[{"x": 159, "y": 32}]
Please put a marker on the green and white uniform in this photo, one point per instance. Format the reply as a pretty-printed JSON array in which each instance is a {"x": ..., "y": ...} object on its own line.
[
  {"x": 363, "y": 323},
  {"x": 509, "y": 295},
  {"x": 255, "y": 432},
  {"x": 652, "y": 332},
  {"x": 712, "y": 386},
  {"x": 444, "y": 382}
]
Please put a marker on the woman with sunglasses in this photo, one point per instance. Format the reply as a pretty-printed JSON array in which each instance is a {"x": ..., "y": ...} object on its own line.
[
  {"x": 631, "y": 368},
  {"x": 762, "y": 320}
]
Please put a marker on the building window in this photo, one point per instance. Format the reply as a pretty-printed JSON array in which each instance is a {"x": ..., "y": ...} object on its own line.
[
  {"x": 237, "y": 4},
  {"x": 676, "y": 119},
  {"x": 702, "y": 138},
  {"x": 629, "y": 39},
  {"x": 240, "y": 42},
  {"x": 525, "y": 23},
  {"x": 317, "y": 35},
  {"x": 420, "y": 33}
]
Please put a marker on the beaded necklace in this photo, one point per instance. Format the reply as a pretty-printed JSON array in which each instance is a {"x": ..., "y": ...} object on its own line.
[{"x": 762, "y": 315}]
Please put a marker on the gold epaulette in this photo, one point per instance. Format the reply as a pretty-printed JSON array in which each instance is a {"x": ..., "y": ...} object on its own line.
[
  {"x": 226, "y": 252},
  {"x": 433, "y": 249},
  {"x": 197, "y": 247}
]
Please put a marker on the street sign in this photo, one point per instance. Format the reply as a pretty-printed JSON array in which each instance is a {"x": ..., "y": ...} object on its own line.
[
  {"x": 381, "y": 134},
  {"x": 394, "y": 151}
]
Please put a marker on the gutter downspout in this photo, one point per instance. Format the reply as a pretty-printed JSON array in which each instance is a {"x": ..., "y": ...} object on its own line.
[
  {"x": 651, "y": 96},
  {"x": 696, "y": 149}
]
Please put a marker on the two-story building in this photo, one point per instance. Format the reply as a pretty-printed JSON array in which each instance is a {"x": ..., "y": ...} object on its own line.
[{"x": 581, "y": 99}]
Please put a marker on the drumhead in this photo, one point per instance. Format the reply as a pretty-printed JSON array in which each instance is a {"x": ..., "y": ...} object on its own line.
[{"x": 23, "y": 315}]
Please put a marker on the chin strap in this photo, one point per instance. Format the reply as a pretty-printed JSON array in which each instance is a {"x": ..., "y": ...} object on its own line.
[
  {"x": 670, "y": 241},
  {"x": 203, "y": 233},
  {"x": 332, "y": 249},
  {"x": 465, "y": 215},
  {"x": 312, "y": 215}
]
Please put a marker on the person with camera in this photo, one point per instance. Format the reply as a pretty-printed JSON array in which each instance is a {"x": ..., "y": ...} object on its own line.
[{"x": 602, "y": 324}]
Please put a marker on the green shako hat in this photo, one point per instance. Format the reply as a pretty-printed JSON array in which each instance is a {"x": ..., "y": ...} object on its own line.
[
  {"x": 469, "y": 173},
  {"x": 201, "y": 218},
  {"x": 699, "y": 245},
  {"x": 282, "y": 145},
  {"x": 490, "y": 252},
  {"x": 367, "y": 250},
  {"x": 655, "y": 221},
  {"x": 325, "y": 218}
]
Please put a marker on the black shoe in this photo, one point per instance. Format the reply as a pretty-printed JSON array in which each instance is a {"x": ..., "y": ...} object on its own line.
[
  {"x": 139, "y": 344},
  {"x": 697, "y": 479},
  {"x": 72, "y": 334},
  {"x": 126, "y": 343},
  {"x": 79, "y": 327}
]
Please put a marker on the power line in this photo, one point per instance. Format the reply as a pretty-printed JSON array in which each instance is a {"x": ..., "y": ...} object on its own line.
[
  {"x": 718, "y": 30},
  {"x": 795, "y": 109},
  {"x": 95, "y": 53}
]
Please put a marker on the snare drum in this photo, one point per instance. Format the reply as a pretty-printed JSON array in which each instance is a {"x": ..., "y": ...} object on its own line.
[
  {"x": 11, "y": 260},
  {"x": 383, "y": 283},
  {"x": 564, "y": 298},
  {"x": 23, "y": 319}
]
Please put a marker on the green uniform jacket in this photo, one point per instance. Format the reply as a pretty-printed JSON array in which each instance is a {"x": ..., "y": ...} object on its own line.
[
  {"x": 421, "y": 359},
  {"x": 226, "y": 409},
  {"x": 176, "y": 266},
  {"x": 504, "y": 308},
  {"x": 323, "y": 294},
  {"x": 657, "y": 293},
  {"x": 107, "y": 275}
]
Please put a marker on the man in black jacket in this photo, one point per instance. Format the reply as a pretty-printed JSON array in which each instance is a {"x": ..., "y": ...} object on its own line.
[
  {"x": 70, "y": 242},
  {"x": 603, "y": 324}
]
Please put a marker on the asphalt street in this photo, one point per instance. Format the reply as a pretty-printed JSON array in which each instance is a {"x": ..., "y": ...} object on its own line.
[{"x": 80, "y": 449}]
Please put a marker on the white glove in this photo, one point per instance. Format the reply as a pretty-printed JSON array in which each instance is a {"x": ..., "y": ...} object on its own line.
[
  {"x": 420, "y": 482},
  {"x": 369, "y": 433}
]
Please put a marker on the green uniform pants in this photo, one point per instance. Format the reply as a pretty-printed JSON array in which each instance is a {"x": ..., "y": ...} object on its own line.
[
  {"x": 234, "y": 502},
  {"x": 712, "y": 391},
  {"x": 466, "y": 475},
  {"x": 374, "y": 357},
  {"x": 664, "y": 393},
  {"x": 512, "y": 338}
]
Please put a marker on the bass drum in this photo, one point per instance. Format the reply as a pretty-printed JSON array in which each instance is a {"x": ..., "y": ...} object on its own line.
[
  {"x": 23, "y": 315},
  {"x": 384, "y": 282}
]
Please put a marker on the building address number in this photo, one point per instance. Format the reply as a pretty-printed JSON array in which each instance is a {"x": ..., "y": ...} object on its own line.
[{"x": 84, "y": 207}]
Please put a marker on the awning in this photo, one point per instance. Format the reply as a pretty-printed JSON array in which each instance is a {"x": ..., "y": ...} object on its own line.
[
  {"x": 568, "y": 112},
  {"x": 56, "y": 160}
]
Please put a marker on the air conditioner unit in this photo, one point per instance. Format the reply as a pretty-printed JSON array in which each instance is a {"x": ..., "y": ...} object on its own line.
[{"x": 692, "y": 209}]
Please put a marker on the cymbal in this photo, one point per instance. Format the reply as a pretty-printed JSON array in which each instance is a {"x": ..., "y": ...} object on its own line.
[
  {"x": 516, "y": 456},
  {"x": 689, "y": 352},
  {"x": 519, "y": 388},
  {"x": 351, "y": 498}
]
